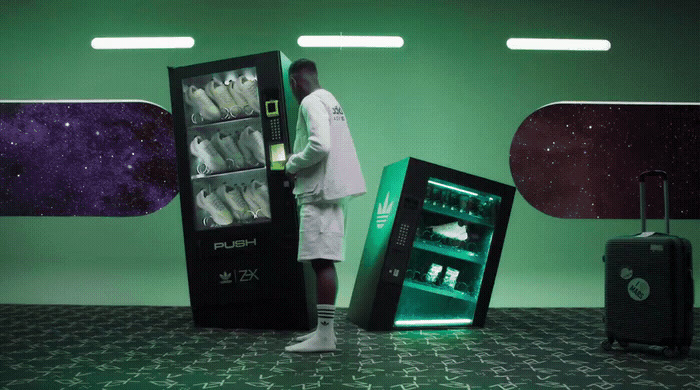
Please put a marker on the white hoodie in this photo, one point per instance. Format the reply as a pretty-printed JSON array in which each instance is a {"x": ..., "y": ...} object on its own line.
[{"x": 324, "y": 158}]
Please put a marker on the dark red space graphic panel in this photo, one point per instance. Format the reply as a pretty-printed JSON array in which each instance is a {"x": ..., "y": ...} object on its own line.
[
  {"x": 583, "y": 160},
  {"x": 85, "y": 158}
]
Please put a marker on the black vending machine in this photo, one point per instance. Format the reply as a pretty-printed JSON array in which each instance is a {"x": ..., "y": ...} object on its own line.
[
  {"x": 232, "y": 119},
  {"x": 432, "y": 249}
]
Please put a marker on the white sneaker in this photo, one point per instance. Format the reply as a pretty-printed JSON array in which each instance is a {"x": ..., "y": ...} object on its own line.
[
  {"x": 198, "y": 99},
  {"x": 253, "y": 141},
  {"x": 259, "y": 206},
  {"x": 225, "y": 145},
  {"x": 247, "y": 154},
  {"x": 250, "y": 198},
  {"x": 204, "y": 150},
  {"x": 233, "y": 197},
  {"x": 262, "y": 197},
  {"x": 248, "y": 88},
  {"x": 218, "y": 92},
  {"x": 213, "y": 205},
  {"x": 239, "y": 98},
  {"x": 451, "y": 230}
]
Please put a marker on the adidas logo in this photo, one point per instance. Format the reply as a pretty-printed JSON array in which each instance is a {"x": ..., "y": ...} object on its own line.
[
  {"x": 225, "y": 278},
  {"x": 325, "y": 323},
  {"x": 383, "y": 211}
]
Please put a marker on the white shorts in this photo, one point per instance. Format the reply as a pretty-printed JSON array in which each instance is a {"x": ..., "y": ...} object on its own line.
[{"x": 322, "y": 231}]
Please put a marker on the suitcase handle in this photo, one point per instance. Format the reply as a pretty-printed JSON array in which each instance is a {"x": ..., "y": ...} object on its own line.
[{"x": 643, "y": 197}]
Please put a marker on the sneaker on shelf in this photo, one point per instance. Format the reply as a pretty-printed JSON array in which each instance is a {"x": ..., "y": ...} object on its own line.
[
  {"x": 198, "y": 99},
  {"x": 205, "y": 151},
  {"x": 251, "y": 199},
  {"x": 234, "y": 199},
  {"x": 248, "y": 88},
  {"x": 226, "y": 146},
  {"x": 214, "y": 206},
  {"x": 452, "y": 230},
  {"x": 253, "y": 141},
  {"x": 218, "y": 92},
  {"x": 250, "y": 160},
  {"x": 239, "y": 98},
  {"x": 262, "y": 197}
]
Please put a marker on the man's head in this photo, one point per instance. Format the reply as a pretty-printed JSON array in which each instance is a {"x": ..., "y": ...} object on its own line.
[{"x": 303, "y": 78}]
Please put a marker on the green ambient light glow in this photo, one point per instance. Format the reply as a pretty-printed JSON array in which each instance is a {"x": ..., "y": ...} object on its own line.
[
  {"x": 456, "y": 321},
  {"x": 558, "y": 44},
  {"x": 452, "y": 188},
  {"x": 143, "y": 43},
  {"x": 349, "y": 41}
]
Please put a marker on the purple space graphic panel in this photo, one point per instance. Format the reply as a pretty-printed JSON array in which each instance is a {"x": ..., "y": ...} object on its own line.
[
  {"x": 85, "y": 158},
  {"x": 583, "y": 160}
]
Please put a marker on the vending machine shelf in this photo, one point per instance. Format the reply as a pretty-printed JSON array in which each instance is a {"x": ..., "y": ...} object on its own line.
[
  {"x": 448, "y": 251},
  {"x": 237, "y": 121},
  {"x": 440, "y": 290},
  {"x": 252, "y": 171},
  {"x": 455, "y": 213}
]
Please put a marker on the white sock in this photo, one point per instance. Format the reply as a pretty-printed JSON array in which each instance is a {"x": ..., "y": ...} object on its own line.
[
  {"x": 326, "y": 315},
  {"x": 323, "y": 338},
  {"x": 322, "y": 310}
]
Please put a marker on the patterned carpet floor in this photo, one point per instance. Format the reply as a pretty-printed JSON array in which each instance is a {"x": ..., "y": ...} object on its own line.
[{"x": 100, "y": 347}]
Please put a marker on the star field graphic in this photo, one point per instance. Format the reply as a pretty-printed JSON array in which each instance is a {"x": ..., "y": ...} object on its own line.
[
  {"x": 583, "y": 160},
  {"x": 85, "y": 159}
]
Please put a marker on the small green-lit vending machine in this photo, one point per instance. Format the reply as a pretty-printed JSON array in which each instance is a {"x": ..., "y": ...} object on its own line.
[{"x": 432, "y": 249}]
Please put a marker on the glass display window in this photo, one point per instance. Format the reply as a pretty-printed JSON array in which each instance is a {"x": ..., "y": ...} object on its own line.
[
  {"x": 227, "y": 149},
  {"x": 443, "y": 277}
]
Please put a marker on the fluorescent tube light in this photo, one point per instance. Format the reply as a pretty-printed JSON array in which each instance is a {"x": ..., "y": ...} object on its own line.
[
  {"x": 349, "y": 41},
  {"x": 143, "y": 43},
  {"x": 457, "y": 321},
  {"x": 452, "y": 188},
  {"x": 558, "y": 44}
]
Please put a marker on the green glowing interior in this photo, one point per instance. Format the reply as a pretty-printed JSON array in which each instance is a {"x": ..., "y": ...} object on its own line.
[{"x": 449, "y": 255}]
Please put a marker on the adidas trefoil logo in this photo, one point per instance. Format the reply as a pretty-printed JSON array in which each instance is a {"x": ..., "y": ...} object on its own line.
[
  {"x": 383, "y": 211},
  {"x": 325, "y": 323},
  {"x": 225, "y": 278}
]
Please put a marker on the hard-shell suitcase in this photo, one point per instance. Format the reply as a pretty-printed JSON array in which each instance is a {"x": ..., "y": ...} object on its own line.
[{"x": 649, "y": 293}]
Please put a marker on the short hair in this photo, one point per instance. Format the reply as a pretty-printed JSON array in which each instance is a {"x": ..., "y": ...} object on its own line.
[{"x": 303, "y": 64}]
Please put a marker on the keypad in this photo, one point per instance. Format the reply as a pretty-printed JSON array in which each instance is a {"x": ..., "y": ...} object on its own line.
[
  {"x": 275, "y": 130},
  {"x": 402, "y": 235}
]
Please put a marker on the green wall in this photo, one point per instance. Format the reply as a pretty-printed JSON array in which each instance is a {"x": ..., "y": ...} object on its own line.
[{"x": 453, "y": 95}]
